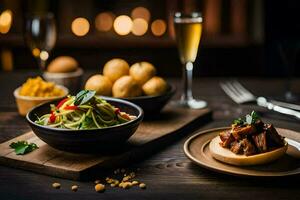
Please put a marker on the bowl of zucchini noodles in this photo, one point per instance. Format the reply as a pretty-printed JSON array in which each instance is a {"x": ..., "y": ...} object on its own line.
[{"x": 85, "y": 123}]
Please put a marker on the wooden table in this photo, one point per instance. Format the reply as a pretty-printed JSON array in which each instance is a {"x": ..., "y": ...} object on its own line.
[{"x": 167, "y": 172}]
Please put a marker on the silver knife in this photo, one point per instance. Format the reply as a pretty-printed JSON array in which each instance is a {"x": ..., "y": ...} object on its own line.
[
  {"x": 262, "y": 101},
  {"x": 293, "y": 143},
  {"x": 286, "y": 105}
]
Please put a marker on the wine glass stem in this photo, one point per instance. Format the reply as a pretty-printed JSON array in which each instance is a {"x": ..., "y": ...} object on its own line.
[
  {"x": 187, "y": 82},
  {"x": 42, "y": 64},
  {"x": 288, "y": 93}
]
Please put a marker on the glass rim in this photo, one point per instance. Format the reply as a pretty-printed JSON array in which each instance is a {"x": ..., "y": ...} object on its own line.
[{"x": 191, "y": 17}]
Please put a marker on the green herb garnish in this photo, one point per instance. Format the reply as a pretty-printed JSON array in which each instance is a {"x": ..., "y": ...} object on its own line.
[
  {"x": 238, "y": 121},
  {"x": 248, "y": 120},
  {"x": 84, "y": 96},
  {"x": 252, "y": 118},
  {"x": 23, "y": 147}
]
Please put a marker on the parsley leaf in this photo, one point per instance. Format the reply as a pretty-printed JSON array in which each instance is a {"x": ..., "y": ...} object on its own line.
[
  {"x": 238, "y": 121},
  {"x": 254, "y": 116},
  {"x": 23, "y": 147},
  {"x": 249, "y": 119}
]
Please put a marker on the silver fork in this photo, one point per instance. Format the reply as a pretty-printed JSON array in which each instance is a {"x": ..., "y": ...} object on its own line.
[
  {"x": 241, "y": 95},
  {"x": 237, "y": 92}
]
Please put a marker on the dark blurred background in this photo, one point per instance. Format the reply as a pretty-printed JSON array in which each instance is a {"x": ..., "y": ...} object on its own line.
[{"x": 240, "y": 38}]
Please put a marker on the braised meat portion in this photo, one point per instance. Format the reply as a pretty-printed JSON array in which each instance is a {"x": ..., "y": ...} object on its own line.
[
  {"x": 227, "y": 138},
  {"x": 275, "y": 139},
  {"x": 248, "y": 147},
  {"x": 236, "y": 147},
  {"x": 260, "y": 141},
  {"x": 251, "y": 136},
  {"x": 240, "y": 132}
]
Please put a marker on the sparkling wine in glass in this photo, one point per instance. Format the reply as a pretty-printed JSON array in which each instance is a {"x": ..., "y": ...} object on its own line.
[
  {"x": 40, "y": 36},
  {"x": 188, "y": 29}
]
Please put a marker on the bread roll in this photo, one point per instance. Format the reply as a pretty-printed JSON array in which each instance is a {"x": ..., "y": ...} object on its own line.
[{"x": 63, "y": 64}]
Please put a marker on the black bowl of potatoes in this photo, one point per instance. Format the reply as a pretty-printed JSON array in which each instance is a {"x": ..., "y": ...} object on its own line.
[{"x": 138, "y": 84}]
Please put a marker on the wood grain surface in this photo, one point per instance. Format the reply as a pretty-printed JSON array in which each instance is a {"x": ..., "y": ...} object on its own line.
[{"x": 168, "y": 173}]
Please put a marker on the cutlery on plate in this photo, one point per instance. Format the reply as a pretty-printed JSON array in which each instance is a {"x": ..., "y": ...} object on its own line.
[
  {"x": 293, "y": 143},
  {"x": 241, "y": 95}
]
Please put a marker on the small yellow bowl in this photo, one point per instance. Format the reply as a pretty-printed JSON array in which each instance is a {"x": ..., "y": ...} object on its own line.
[{"x": 26, "y": 103}]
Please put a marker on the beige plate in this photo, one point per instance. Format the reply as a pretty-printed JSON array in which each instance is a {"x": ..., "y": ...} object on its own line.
[
  {"x": 197, "y": 149},
  {"x": 227, "y": 156}
]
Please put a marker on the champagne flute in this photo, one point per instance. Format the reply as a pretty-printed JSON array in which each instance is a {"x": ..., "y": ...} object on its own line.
[
  {"x": 40, "y": 36},
  {"x": 188, "y": 29}
]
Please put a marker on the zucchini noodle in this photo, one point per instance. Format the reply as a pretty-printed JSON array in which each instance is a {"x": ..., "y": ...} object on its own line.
[{"x": 93, "y": 113}]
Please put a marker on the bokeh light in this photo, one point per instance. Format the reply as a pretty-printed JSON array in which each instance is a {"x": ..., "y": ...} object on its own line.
[
  {"x": 6, "y": 21},
  {"x": 123, "y": 25},
  {"x": 36, "y": 52},
  {"x": 44, "y": 55},
  {"x": 141, "y": 12},
  {"x": 80, "y": 26},
  {"x": 158, "y": 27},
  {"x": 139, "y": 27},
  {"x": 104, "y": 21}
]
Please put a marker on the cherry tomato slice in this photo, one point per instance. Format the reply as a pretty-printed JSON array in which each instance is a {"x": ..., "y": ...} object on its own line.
[
  {"x": 117, "y": 111},
  {"x": 52, "y": 117},
  {"x": 61, "y": 102},
  {"x": 71, "y": 107}
]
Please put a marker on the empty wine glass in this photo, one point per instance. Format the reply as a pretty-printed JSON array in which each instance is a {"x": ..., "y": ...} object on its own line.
[{"x": 40, "y": 36}]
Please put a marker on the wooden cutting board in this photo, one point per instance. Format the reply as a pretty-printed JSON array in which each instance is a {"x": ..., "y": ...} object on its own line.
[{"x": 151, "y": 135}]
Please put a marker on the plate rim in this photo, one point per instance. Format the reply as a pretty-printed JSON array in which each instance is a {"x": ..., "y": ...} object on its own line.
[{"x": 225, "y": 171}]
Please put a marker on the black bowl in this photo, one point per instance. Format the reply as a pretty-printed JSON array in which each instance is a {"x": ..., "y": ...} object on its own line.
[
  {"x": 152, "y": 105},
  {"x": 86, "y": 141}
]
